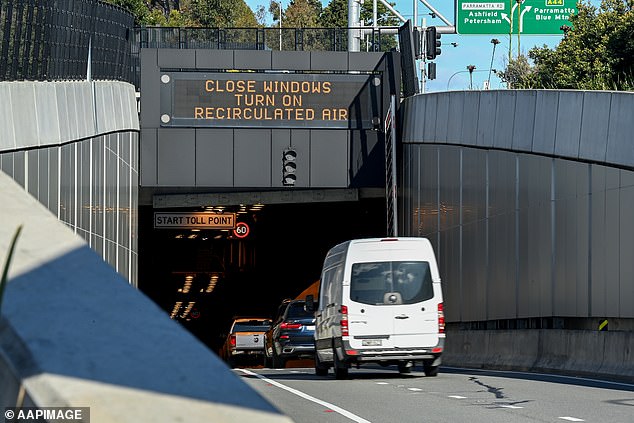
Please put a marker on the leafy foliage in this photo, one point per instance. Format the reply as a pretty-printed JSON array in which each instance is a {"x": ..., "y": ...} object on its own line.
[
  {"x": 302, "y": 14},
  {"x": 237, "y": 14},
  {"x": 335, "y": 15},
  {"x": 596, "y": 54}
]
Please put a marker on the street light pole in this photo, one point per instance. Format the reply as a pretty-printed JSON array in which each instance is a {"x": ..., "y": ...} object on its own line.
[
  {"x": 280, "y": 19},
  {"x": 471, "y": 68},
  {"x": 495, "y": 42}
]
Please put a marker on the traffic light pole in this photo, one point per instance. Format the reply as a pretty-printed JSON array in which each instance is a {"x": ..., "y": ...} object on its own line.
[{"x": 423, "y": 63}]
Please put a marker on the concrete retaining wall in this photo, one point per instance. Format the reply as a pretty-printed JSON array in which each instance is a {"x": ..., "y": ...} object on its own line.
[
  {"x": 74, "y": 333},
  {"x": 575, "y": 352}
]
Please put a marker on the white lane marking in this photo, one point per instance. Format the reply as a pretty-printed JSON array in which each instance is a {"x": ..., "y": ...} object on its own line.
[
  {"x": 510, "y": 406},
  {"x": 328, "y": 405},
  {"x": 457, "y": 397},
  {"x": 572, "y": 419},
  {"x": 382, "y": 383},
  {"x": 414, "y": 389}
]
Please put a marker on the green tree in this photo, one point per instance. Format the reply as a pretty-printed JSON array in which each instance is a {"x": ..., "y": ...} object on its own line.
[
  {"x": 335, "y": 15},
  {"x": 137, "y": 7},
  {"x": 154, "y": 13},
  {"x": 302, "y": 14},
  {"x": 518, "y": 73},
  {"x": 597, "y": 53},
  {"x": 221, "y": 13}
]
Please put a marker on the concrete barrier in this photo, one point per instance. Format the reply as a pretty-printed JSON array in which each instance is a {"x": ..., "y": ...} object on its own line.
[
  {"x": 75, "y": 333},
  {"x": 608, "y": 354}
]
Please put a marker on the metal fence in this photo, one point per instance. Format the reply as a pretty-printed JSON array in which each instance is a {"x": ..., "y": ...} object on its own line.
[
  {"x": 55, "y": 40},
  {"x": 287, "y": 39},
  {"x": 50, "y": 40}
]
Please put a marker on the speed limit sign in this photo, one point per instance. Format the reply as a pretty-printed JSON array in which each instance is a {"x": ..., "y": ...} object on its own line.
[{"x": 241, "y": 230}]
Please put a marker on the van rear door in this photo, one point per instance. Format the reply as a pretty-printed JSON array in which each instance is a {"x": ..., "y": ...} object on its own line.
[{"x": 392, "y": 305}]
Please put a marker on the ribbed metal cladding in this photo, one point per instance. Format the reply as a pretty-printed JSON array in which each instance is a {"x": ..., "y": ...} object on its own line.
[
  {"x": 45, "y": 40},
  {"x": 527, "y": 196}
]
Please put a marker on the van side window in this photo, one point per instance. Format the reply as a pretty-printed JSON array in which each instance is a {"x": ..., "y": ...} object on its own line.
[
  {"x": 332, "y": 275},
  {"x": 330, "y": 286},
  {"x": 410, "y": 279}
]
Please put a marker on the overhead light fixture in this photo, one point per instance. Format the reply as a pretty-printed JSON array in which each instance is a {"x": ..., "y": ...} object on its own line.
[{"x": 175, "y": 309}]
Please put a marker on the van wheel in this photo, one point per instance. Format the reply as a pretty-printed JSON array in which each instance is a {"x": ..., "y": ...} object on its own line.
[
  {"x": 340, "y": 369},
  {"x": 430, "y": 370},
  {"x": 404, "y": 367},
  {"x": 320, "y": 369}
]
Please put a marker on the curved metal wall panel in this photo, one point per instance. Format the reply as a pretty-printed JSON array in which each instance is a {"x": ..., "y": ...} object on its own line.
[
  {"x": 527, "y": 199},
  {"x": 589, "y": 125},
  {"x": 37, "y": 114},
  {"x": 74, "y": 147}
]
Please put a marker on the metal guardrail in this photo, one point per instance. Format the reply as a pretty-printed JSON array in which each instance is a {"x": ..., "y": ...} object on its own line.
[{"x": 45, "y": 40}]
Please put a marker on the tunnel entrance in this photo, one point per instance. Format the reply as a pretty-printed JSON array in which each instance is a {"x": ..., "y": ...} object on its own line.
[{"x": 203, "y": 278}]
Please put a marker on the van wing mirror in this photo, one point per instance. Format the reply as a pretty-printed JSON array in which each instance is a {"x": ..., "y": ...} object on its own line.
[{"x": 309, "y": 305}]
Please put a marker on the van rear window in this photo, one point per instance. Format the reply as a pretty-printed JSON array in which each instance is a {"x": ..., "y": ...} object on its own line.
[{"x": 391, "y": 282}]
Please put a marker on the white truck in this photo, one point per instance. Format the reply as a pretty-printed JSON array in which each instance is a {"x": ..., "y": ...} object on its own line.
[{"x": 246, "y": 339}]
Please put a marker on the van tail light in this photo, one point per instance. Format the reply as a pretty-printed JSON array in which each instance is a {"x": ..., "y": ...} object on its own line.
[
  {"x": 344, "y": 321},
  {"x": 233, "y": 340},
  {"x": 286, "y": 325},
  {"x": 441, "y": 318}
]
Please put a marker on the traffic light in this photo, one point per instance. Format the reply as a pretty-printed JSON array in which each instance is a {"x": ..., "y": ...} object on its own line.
[
  {"x": 289, "y": 167},
  {"x": 432, "y": 43},
  {"x": 418, "y": 43},
  {"x": 431, "y": 70}
]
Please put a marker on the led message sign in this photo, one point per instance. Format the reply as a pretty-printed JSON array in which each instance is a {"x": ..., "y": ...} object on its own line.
[{"x": 267, "y": 100}]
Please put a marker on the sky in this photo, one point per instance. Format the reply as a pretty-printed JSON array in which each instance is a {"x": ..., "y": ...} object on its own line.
[{"x": 477, "y": 50}]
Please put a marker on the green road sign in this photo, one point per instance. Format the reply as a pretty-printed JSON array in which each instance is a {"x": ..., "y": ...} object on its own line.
[{"x": 530, "y": 17}]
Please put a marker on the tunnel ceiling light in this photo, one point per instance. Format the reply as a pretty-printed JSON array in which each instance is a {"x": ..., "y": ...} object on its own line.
[{"x": 175, "y": 309}]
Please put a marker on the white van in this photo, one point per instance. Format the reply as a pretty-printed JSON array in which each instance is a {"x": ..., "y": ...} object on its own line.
[{"x": 380, "y": 301}]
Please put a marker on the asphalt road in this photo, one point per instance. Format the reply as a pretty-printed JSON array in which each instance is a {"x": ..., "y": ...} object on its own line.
[{"x": 382, "y": 395}]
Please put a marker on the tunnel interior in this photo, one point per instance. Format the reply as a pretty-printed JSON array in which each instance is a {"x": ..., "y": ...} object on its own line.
[{"x": 203, "y": 279}]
